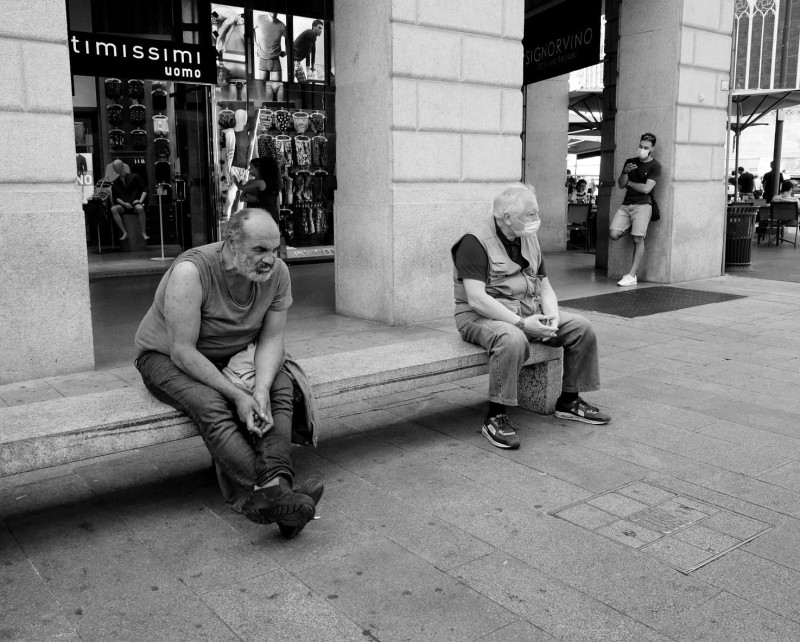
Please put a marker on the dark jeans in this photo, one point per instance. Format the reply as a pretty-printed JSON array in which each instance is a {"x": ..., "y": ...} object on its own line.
[{"x": 246, "y": 459}]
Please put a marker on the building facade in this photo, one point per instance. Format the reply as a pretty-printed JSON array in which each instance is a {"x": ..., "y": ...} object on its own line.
[{"x": 428, "y": 123}]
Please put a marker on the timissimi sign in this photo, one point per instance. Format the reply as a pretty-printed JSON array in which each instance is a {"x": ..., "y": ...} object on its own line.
[
  {"x": 103, "y": 55},
  {"x": 561, "y": 39}
]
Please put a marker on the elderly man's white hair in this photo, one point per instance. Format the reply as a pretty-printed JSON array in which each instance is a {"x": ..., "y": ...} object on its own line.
[{"x": 509, "y": 197}]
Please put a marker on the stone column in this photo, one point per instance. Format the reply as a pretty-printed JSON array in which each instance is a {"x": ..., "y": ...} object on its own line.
[
  {"x": 676, "y": 93},
  {"x": 546, "y": 133},
  {"x": 45, "y": 320},
  {"x": 429, "y": 116}
]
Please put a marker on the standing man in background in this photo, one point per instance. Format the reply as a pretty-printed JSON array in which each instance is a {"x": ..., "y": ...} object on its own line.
[{"x": 638, "y": 178}]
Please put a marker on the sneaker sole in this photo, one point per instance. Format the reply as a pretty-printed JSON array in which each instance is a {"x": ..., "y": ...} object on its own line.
[
  {"x": 570, "y": 417},
  {"x": 314, "y": 490},
  {"x": 486, "y": 434}
]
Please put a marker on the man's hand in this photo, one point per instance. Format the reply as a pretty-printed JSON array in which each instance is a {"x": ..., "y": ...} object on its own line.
[
  {"x": 629, "y": 168},
  {"x": 538, "y": 327},
  {"x": 250, "y": 413},
  {"x": 262, "y": 399}
]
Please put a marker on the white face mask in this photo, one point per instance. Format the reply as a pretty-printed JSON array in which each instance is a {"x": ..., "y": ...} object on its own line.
[
  {"x": 643, "y": 154},
  {"x": 528, "y": 229}
]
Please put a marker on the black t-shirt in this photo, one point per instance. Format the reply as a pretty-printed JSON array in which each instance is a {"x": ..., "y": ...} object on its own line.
[
  {"x": 640, "y": 174},
  {"x": 745, "y": 183},
  {"x": 472, "y": 261},
  {"x": 128, "y": 190},
  {"x": 767, "y": 184}
]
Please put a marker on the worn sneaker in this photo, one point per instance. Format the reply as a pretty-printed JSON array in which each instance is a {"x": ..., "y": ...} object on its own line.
[
  {"x": 278, "y": 504},
  {"x": 579, "y": 410},
  {"x": 498, "y": 431},
  {"x": 627, "y": 280},
  {"x": 313, "y": 488}
]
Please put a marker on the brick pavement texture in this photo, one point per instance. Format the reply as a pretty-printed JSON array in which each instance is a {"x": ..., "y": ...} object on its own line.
[{"x": 679, "y": 520}]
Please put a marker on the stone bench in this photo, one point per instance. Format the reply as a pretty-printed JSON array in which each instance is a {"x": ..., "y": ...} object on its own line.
[{"x": 60, "y": 431}]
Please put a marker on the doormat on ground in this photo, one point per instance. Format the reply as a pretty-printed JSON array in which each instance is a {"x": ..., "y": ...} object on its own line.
[
  {"x": 640, "y": 303},
  {"x": 676, "y": 530}
]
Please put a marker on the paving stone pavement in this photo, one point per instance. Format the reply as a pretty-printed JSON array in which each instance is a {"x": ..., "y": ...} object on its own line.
[{"x": 680, "y": 520}]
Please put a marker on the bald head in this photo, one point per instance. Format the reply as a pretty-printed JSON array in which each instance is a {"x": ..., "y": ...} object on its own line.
[
  {"x": 251, "y": 223},
  {"x": 118, "y": 166}
]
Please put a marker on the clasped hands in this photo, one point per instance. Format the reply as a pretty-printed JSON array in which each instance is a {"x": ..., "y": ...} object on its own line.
[
  {"x": 542, "y": 326},
  {"x": 254, "y": 411}
]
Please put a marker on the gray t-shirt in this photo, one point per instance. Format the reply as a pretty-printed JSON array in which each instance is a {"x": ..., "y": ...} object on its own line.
[{"x": 225, "y": 327}]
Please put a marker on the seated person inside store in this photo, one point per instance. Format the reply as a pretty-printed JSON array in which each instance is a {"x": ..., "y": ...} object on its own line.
[
  {"x": 218, "y": 304},
  {"x": 504, "y": 301},
  {"x": 128, "y": 195},
  {"x": 580, "y": 195}
]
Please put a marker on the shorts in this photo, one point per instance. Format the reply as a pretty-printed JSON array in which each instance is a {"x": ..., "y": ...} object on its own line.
[
  {"x": 270, "y": 64},
  {"x": 634, "y": 217},
  {"x": 241, "y": 174}
]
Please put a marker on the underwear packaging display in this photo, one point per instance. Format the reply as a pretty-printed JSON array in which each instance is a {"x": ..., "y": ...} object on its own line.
[
  {"x": 114, "y": 114},
  {"x": 226, "y": 119},
  {"x": 113, "y": 88},
  {"x": 136, "y": 89},
  {"x": 116, "y": 138},
  {"x": 139, "y": 139},
  {"x": 137, "y": 114}
]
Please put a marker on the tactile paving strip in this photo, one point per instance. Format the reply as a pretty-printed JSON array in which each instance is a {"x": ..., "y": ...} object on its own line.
[
  {"x": 676, "y": 530},
  {"x": 642, "y": 302}
]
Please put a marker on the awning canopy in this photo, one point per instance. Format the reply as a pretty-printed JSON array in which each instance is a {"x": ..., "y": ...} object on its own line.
[
  {"x": 750, "y": 106},
  {"x": 585, "y": 118}
]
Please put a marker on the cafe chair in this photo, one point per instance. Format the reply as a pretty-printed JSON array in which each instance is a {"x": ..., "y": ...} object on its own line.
[
  {"x": 578, "y": 220},
  {"x": 782, "y": 214}
]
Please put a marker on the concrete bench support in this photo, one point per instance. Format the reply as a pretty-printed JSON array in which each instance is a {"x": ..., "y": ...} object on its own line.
[{"x": 60, "y": 431}]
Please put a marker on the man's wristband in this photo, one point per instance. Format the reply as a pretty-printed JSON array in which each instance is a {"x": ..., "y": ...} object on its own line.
[{"x": 520, "y": 324}]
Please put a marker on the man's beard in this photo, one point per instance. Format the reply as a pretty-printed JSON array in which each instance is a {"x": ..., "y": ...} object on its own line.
[{"x": 248, "y": 268}]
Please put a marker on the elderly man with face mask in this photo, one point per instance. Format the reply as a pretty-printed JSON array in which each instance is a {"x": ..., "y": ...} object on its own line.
[
  {"x": 504, "y": 301},
  {"x": 213, "y": 304}
]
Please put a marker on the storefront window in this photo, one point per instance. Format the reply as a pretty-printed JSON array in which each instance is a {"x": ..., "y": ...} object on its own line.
[{"x": 187, "y": 94}]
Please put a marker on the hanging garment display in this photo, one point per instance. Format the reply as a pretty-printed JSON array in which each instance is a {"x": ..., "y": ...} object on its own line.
[
  {"x": 226, "y": 119},
  {"x": 139, "y": 139},
  {"x": 300, "y": 119},
  {"x": 161, "y": 125},
  {"x": 113, "y": 88},
  {"x": 163, "y": 171},
  {"x": 283, "y": 120},
  {"x": 319, "y": 153},
  {"x": 284, "y": 147},
  {"x": 266, "y": 146},
  {"x": 287, "y": 224},
  {"x": 159, "y": 96},
  {"x": 161, "y": 148},
  {"x": 137, "y": 114},
  {"x": 114, "y": 114},
  {"x": 317, "y": 122},
  {"x": 302, "y": 148},
  {"x": 116, "y": 138},
  {"x": 265, "y": 119},
  {"x": 136, "y": 89}
]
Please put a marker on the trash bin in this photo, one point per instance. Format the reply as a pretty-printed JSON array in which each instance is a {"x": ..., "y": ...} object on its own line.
[{"x": 739, "y": 236}]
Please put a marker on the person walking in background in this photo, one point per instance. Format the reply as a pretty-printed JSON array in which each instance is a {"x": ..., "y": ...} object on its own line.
[
  {"x": 767, "y": 183},
  {"x": 639, "y": 176},
  {"x": 745, "y": 183}
]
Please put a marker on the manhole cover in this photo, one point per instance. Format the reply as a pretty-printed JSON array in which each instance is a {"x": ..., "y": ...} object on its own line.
[{"x": 676, "y": 530}]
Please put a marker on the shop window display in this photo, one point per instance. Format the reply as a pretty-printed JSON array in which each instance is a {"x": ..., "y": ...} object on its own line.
[{"x": 276, "y": 99}]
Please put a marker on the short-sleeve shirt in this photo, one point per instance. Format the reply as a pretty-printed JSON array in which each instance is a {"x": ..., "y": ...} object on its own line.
[
  {"x": 269, "y": 42},
  {"x": 472, "y": 261},
  {"x": 127, "y": 188},
  {"x": 642, "y": 172},
  {"x": 226, "y": 326}
]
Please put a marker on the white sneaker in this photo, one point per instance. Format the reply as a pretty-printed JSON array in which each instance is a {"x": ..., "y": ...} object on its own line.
[{"x": 627, "y": 280}]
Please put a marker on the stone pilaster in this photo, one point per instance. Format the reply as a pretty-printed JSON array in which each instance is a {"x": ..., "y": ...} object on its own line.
[
  {"x": 429, "y": 116},
  {"x": 677, "y": 95},
  {"x": 45, "y": 318}
]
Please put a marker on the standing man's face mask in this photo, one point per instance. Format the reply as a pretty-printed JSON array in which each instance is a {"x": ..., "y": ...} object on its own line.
[{"x": 645, "y": 149}]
